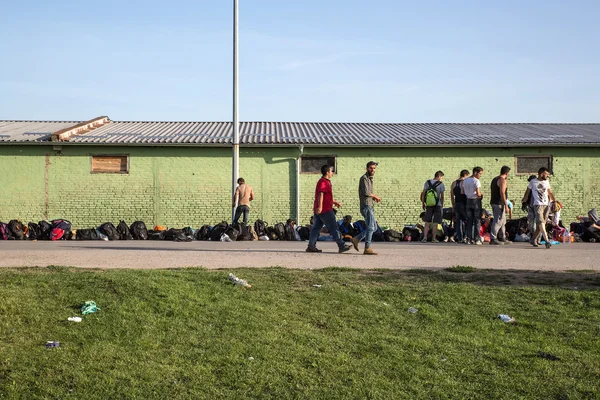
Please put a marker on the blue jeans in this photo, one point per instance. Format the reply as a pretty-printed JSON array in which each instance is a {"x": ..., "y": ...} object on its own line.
[
  {"x": 369, "y": 215},
  {"x": 473, "y": 219},
  {"x": 327, "y": 219},
  {"x": 460, "y": 213},
  {"x": 238, "y": 212}
]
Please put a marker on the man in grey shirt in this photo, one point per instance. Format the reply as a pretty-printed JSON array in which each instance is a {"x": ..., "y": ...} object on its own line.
[{"x": 366, "y": 196}]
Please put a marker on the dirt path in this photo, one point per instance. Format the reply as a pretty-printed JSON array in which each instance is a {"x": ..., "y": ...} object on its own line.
[{"x": 151, "y": 254}]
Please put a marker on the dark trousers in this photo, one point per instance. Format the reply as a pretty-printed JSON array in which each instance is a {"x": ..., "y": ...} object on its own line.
[
  {"x": 238, "y": 212},
  {"x": 473, "y": 219},
  {"x": 460, "y": 213},
  {"x": 327, "y": 219}
]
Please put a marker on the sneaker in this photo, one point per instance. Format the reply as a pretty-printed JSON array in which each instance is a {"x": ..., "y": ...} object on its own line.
[
  {"x": 592, "y": 240},
  {"x": 548, "y": 244},
  {"x": 424, "y": 240},
  {"x": 495, "y": 242},
  {"x": 345, "y": 248},
  {"x": 533, "y": 243},
  {"x": 505, "y": 241},
  {"x": 369, "y": 251},
  {"x": 451, "y": 239},
  {"x": 434, "y": 241},
  {"x": 479, "y": 243},
  {"x": 313, "y": 250},
  {"x": 355, "y": 243}
]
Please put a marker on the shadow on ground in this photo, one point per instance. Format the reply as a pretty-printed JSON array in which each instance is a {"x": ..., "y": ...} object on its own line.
[{"x": 576, "y": 280}]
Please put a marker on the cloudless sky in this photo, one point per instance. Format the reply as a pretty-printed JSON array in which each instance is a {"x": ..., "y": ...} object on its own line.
[{"x": 303, "y": 60}]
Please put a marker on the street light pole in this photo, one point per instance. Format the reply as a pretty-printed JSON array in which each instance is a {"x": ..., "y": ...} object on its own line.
[{"x": 236, "y": 108}]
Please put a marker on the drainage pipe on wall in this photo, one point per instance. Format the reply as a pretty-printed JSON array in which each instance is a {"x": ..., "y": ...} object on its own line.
[{"x": 298, "y": 166}]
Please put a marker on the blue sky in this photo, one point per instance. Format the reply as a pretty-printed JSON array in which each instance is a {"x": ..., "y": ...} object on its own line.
[{"x": 329, "y": 60}]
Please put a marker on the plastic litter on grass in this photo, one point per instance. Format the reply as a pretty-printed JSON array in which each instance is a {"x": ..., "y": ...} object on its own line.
[
  {"x": 89, "y": 307},
  {"x": 238, "y": 281}
]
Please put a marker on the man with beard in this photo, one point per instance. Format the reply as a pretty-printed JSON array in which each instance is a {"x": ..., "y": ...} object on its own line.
[
  {"x": 366, "y": 197},
  {"x": 541, "y": 194}
]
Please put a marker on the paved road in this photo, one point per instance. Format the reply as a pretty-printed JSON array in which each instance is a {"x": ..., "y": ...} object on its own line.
[{"x": 159, "y": 254}]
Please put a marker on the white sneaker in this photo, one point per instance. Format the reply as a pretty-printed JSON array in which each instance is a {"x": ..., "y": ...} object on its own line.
[{"x": 479, "y": 243}]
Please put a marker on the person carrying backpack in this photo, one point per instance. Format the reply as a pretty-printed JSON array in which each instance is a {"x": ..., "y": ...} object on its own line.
[
  {"x": 366, "y": 196},
  {"x": 432, "y": 199},
  {"x": 324, "y": 215},
  {"x": 244, "y": 194}
]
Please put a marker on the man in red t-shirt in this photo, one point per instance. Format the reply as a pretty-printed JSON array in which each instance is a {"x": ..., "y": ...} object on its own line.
[{"x": 324, "y": 215}]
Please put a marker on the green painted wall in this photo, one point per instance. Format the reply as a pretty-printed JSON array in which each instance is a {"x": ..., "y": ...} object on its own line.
[{"x": 180, "y": 186}]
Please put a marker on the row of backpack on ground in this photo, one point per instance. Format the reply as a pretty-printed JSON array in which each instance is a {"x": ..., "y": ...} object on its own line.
[{"x": 60, "y": 229}]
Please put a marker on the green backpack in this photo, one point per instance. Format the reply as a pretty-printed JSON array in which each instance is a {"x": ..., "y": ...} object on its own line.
[{"x": 431, "y": 195}]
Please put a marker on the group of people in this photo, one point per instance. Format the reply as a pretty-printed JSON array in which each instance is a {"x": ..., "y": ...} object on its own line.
[{"x": 466, "y": 198}]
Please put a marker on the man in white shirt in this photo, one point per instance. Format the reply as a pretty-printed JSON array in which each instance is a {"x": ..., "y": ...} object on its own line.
[
  {"x": 471, "y": 187},
  {"x": 541, "y": 194}
]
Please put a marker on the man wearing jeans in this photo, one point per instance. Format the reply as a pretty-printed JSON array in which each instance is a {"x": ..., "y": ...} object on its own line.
[
  {"x": 499, "y": 203},
  {"x": 324, "y": 215},
  {"x": 366, "y": 197},
  {"x": 243, "y": 196},
  {"x": 472, "y": 189}
]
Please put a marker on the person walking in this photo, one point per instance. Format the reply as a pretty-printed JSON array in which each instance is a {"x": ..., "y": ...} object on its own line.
[
  {"x": 459, "y": 206},
  {"x": 472, "y": 189},
  {"x": 366, "y": 198},
  {"x": 324, "y": 215},
  {"x": 432, "y": 199},
  {"x": 541, "y": 194},
  {"x": 499, "y": 203},
  {"x": 243, "y": 195}
]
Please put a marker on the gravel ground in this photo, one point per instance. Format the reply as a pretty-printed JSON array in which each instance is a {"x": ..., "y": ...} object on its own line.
[{"x": 160, "y": 254}]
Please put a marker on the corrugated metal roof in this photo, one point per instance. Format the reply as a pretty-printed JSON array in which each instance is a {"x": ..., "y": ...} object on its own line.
[
  {"x": 314, "y": 133},
  {"x": 31, "y": 131}
]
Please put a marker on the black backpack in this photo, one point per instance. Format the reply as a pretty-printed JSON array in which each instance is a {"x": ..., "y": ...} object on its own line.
[
  {"x": 176, "y": 235},
  {"x": 391, "y": 235},
  {"x": 232, "y": 233},
  {"x": 218, "y": 230},
  {"x": 203, "y": 233},
  {"x": 279, "y": 229},
  {"x": 260, "y": 227},
  {"x": 123, "y": 231},
  {"x": 45, "y": 229},
  {"x": 189, "y": 232},
  {"x": 109, "y": 230},
  {"x": 304, "y": 232},
  {"x": 86, "y": 234},
  {"x": 34, "y": 231},
  {"x": 244, "y": 232},
  {"x": 138, "y": 230},
  {"x": 413, "y": 233},
  {"x": 290, "y": 231},
  {"x": 156, "y": 235},
  {"x": 270, "y": 233},
  {"x": 17, "y": 229}
]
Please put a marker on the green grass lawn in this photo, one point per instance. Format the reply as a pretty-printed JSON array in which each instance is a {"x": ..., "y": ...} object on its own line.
[{"x": 190, "y": 333}]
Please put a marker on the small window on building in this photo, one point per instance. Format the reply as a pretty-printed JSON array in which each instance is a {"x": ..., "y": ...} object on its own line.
[
  {"x": 110, "y": 164},
  {"x": 529, "y": 165},
  {"x": 313, "y": 164}
]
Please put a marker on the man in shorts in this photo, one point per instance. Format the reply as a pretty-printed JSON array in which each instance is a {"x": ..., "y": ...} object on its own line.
[
  {"x": 541, "y": 194},
  {"x": 433, "y": 214}
]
